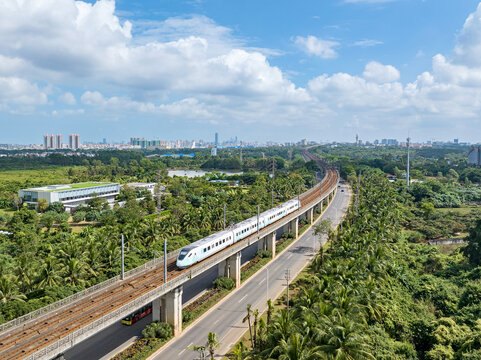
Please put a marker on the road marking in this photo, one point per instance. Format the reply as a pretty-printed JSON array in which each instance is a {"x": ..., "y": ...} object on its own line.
[
  {"x": 242, "y": 298},
  {"x": 262, "y": 281},
  {"x": 185, "y": 349},
  {"x": 289, "y": 256},
  {"x": 216, "y": 321}
]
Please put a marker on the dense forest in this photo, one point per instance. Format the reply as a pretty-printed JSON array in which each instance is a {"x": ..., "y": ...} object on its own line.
[{"x": 374, "y": 295}]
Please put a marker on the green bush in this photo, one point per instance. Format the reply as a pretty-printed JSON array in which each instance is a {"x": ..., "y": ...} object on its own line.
[
  {"x": 288, "y": 235},
  {"x": 157, "y": 330},
  {"x": 223, "y": 282},
  {"x": 92, "y": 215},
  {"x": 187, "y": 316},
  {"x": 79, "y": 216},
  {"x": 263, "y": 254}
]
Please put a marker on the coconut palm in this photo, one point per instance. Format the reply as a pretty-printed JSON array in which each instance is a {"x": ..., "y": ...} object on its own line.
[
  {"x": 9, "y": 290},
  {"x": 212, "y": 344},
  {"x": 48, "y": 275},
  {"x": 248, "y": 319}
]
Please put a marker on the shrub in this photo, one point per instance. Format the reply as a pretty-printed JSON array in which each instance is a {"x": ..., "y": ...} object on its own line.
[
  {"x": 92, "y": 215},
  {"x": 187, "y": 316},
  {"x": 288, "y": 235},
  {"x": 158, "y": 330},
  {"x": 263, "y": 254},
  {"x": 78, "y": 216},
  {"x": 224, "y": 283}
]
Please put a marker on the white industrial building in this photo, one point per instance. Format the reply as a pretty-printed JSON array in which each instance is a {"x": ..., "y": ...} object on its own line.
[{"x": 70, "y": 195}]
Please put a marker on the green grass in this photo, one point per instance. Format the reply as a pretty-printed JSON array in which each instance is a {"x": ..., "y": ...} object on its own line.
[
  {"x": 48, "y": 176},
  {"x": 464, "y": 210}
]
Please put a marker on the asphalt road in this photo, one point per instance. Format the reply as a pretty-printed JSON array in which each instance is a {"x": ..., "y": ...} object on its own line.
[
  {"x": 225, "y": 319},
  {"x": 108, "y": 342}
]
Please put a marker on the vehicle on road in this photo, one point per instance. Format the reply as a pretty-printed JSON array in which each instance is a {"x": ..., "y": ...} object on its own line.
[{"x": 136, "y": 316}]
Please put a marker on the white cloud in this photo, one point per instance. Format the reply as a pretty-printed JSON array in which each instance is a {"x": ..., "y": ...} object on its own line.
[
  {"x": 316, "y": 46},
  {"x": 368, "y": 43},
  {"x": 14, "y": 90},
  {"x": 380, "y": 73},
  {"x": 67, "y": 98},
  {"x": 217, "y": 77}
]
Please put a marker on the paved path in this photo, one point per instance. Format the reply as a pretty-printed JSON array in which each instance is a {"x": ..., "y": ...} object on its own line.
[{"x": 226, "y": 318}]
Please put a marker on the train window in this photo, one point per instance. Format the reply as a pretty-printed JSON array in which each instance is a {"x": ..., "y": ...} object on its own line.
[
  {"x": 208, "y": 247},
  {"x": 189, "y": 255}
]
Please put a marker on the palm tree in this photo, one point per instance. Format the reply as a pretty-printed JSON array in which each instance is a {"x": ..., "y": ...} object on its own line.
[
  {"x": 343, "y": 339},
  {"x": 74, "y": 271},
  {"x": 199, "y": 349},
  {"x": 48, "y": 276},
  {"x": 212, "y": 344},
  {"x": 270, "y": 310},
  {"x": 256, "y": 314},
  {"x": 8, "y": 290},
  {"x": 296, "y": 347},
  {"x": 24, "y": 271},
  {"x": 248, "y": 319}
]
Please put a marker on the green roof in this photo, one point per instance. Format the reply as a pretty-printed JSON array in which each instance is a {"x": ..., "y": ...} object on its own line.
[{"x": 71, "y": 186}]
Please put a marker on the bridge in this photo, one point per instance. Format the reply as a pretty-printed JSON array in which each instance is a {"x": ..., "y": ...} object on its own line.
[{"x": 50, "y": 331}]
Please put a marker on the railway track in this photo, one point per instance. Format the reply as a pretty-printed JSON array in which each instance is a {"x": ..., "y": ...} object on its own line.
[{"x": 22, "y": 341}]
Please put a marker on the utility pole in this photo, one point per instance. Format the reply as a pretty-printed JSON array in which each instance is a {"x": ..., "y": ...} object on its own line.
[
  {"x": 165, "y": 261},
  {"x": 272, "y": 198},
  {"x": 241, "y": 155},
  {"x": 358, "y": 190},
  {"x": 224, "y": 216},
  {"x": 159, "y": 206},
  {"x": 407, "y": 172},
  {"x": 257, "y": 221},
  {"x": 122, "y": 257},
  {"x": 288, "y": 277}
]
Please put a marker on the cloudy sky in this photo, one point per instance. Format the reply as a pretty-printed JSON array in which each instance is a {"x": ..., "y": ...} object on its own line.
[{"x": 260, "y": 70}]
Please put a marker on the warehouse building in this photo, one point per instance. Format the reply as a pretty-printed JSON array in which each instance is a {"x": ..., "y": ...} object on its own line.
[{"x": 70, "y": 195}]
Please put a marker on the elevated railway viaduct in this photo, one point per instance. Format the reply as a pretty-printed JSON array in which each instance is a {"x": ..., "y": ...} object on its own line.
[{"x": 50, "y": 331}]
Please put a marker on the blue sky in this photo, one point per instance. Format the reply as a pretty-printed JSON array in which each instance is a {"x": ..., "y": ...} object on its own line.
[{"x": 259, "y": 70}]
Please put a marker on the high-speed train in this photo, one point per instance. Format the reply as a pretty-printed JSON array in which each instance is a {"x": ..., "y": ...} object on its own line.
[{"x": 203, "y": 248}]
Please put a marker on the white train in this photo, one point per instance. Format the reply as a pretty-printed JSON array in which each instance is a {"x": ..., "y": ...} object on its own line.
[{"x": 203, "y": 248}]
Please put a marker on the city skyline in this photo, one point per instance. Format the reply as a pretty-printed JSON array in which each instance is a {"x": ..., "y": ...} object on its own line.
[{"x": 333, "y": 69}]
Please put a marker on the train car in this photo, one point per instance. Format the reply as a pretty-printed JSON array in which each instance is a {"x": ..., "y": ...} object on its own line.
[
  {"x": 203, "y": 248},
  {"x": 136, "y": 316}
]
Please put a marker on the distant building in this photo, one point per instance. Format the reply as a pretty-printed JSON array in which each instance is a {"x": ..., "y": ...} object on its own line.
[
  {"x": 48, "y": 142},
  {"x": 304, "y": 142},
  {"x": 74, "y": 141},
  {"x": 213, "y": 151},
  {"x": 389, "y": 142},
  {"x": 216, "y": 141},
  {"x": 59, "y": 142},
  {"x": 144, "y": 143},
  {"x": 474, "y": 156},
  {"x": 70, "y": 195},
  {"x": 147, "y": 186}
]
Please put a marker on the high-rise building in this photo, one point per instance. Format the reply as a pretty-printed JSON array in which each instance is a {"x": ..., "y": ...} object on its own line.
[
  {"x": 474, "y": 156},
  {"x": 74, "y": 141},
  {"x": 48, "y": 142},
  {"x": 59, "y": 143},
  {"x": 216, "y": 142}
]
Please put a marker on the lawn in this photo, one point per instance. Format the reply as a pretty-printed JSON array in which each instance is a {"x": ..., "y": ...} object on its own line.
[{"x": 464, "y": 210}]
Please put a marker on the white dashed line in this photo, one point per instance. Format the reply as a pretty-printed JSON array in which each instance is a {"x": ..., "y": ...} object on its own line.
[{"x": 242, "y": 298}]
